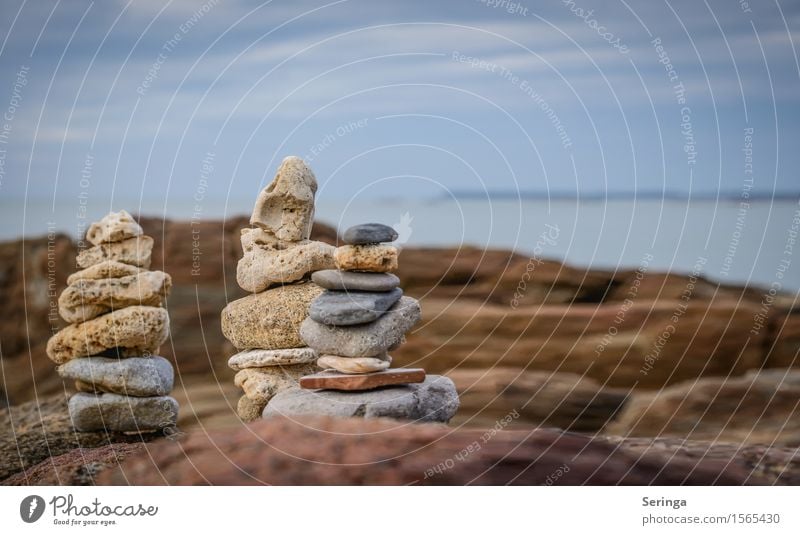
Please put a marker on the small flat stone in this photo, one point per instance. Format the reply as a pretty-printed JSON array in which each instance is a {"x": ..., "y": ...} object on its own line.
[
  {"x": 333, "y": 279},
  {"x": 133, "y": 251},
  {"x": 366, "y": 340},
  {"x": 262, "y": 358},
  {"x": 135, "y": 330},
  {"x": 433, "y": 400},
  {"x": 372, "y": 258},
  {"x": 369, "y": 233},
  {"x": 134, "y": 376},
  {"x": 116, "y": 226},
  {"x": 329, "y": 380},
  {"x": 110, "y": 269},
  {"x": 355, "y": 365},
  {"x": 270, "y": 319},
  {"x": 260, "y": 384},
  {"x": 87, "y": 299},
  {"x": 352, "y": 308},
  {"x": 113, "y": 412}
]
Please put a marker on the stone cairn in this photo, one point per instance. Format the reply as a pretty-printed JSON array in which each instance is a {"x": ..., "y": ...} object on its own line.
[
  {"x": 361, "y": 315},
  {"x": 117, "y": 323},
  {"x": 278, "y": 257}
]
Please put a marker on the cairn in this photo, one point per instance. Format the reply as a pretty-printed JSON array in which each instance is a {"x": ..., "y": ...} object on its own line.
[
  {"x": 278, "y": 257},
  {"x": 352, "y": 325},
  {"x": 115, "y": 307}
]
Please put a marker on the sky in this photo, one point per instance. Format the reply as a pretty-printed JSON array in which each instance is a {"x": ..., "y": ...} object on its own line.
[{"x": 175, "y": 100}]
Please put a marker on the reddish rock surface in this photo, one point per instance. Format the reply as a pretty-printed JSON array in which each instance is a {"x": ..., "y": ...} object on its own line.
[
  {"x": 320, "y": 451},
  {"x": 363, "y": 381}
]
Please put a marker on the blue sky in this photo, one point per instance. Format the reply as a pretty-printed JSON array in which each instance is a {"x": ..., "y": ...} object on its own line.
[{"x": 413, "y": 98}]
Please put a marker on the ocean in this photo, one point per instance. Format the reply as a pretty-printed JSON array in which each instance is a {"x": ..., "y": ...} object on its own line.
[{"x": 730, "y": 240}]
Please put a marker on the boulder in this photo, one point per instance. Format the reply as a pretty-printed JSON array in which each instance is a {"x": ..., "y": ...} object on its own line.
[
  {"x": 110, "y": 269},
  {"x": 286, "y": 206},
  {"x": 114, "y": 227},
  {"x": 87, "y": 299},
  {"x": 133, "y": 251},
  {"x": 134, "y": 376},
  {"x": 113, "y": 412},
  {"x": 352, "y": 308}
]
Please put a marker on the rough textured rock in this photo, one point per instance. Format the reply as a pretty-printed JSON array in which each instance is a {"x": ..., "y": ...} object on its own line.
[
  {"x": 363, "y": 340},
  {"x": 268, "y": 261},
  {"x": 261, "y": 384},
  {"x": 250, "y": 410},
  {"x": 372, "y": 258},
  {"x": 77, "y": 467},
  {"x": 433, "y": 400},
  {"x": 759, "y": 408},
  {"x": 137, "y": 329},
  {"x": 369, "y": 233},
  {"x": 134, "y": 376},
  {"x": 260, "y": 358},
  {"x": 382, "y": 452},
  {"x": 97, "y": 412},
  {"x": 110, "y": 269},
  {"x": 364, "y": 381},
  {"x": 134, "y": 251},
  {"x": 270, "y": 319},
  {"x": 352, "y": 308},
  {"x": 334, "y": 279},
  {"x": 35, "y": 431},
  {"x": 286, "y": 206},
  {"x": 114, "y": 227},
  {"x": 355, "y": 365},
  {"x": 87, "y": 299}
]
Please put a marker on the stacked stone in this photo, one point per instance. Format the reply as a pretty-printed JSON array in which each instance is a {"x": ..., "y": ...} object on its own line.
[
  {"x": 278, "y": 257},
  {"x": 115, "y": 306},
  {"x": 352, "y": 325}
]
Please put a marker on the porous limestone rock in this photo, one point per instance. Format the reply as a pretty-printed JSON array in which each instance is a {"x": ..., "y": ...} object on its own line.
[
  {"x": 135, "y": 329},
  {"x": 286, "y": 206},
  {"x": 116, "y": 226},
  {"x": 248, "y": 409},
  {"x": 261, "y": 384},
  {"x": 87, "y": 299},
  {"x": 268, "y": 260},
  {"x": 260, "y": 358},
  {"x": 133, "y": 251},
  {"x": 110, "y": 269},
  {"x": 270, "y": 319},
  {"x": 372, "y": 258}
]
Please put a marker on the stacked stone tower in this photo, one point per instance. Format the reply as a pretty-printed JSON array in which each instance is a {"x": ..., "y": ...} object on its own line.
[{"x": 115, "y": 307}]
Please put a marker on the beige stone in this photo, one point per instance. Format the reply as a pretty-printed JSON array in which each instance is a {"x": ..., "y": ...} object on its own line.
[
  {"x": 374, "y": 258},
  {"x": 268, "y": 260},
  {"x": 110, "y": 269},
  {"x": 114, "y": 227},
  {"x": 87, "y": 299},
  {"x": 286, "y": 206},
  {"x": 261, "y": 358},
  {"x": 261, "y": 384},
  {"x": 134, "y": 251},
  {"x": 354, "y": 365},
  {"x": 135, "y": 330},
  {"x": 270, "y": 319},
  {"x": 249, "y": 410}
]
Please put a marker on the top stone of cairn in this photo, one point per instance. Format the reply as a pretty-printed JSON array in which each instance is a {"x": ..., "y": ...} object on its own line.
[
  {"x": 114, "y": 227},
  {"x": 286, "y": 207},
  {"x": 369, "y": 233}
]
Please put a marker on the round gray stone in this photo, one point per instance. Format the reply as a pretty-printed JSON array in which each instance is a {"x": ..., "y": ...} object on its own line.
[
  {"x": 369, "y": 233},
  {"x": 113, "y": 412},
  {"x": 366, "y": 340},
  {"x": 333, "y": 279},
  {"x": 352, "y": 308},
  {"x": 434, "y": 400},
  {"x": 133, "y": 376}
]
